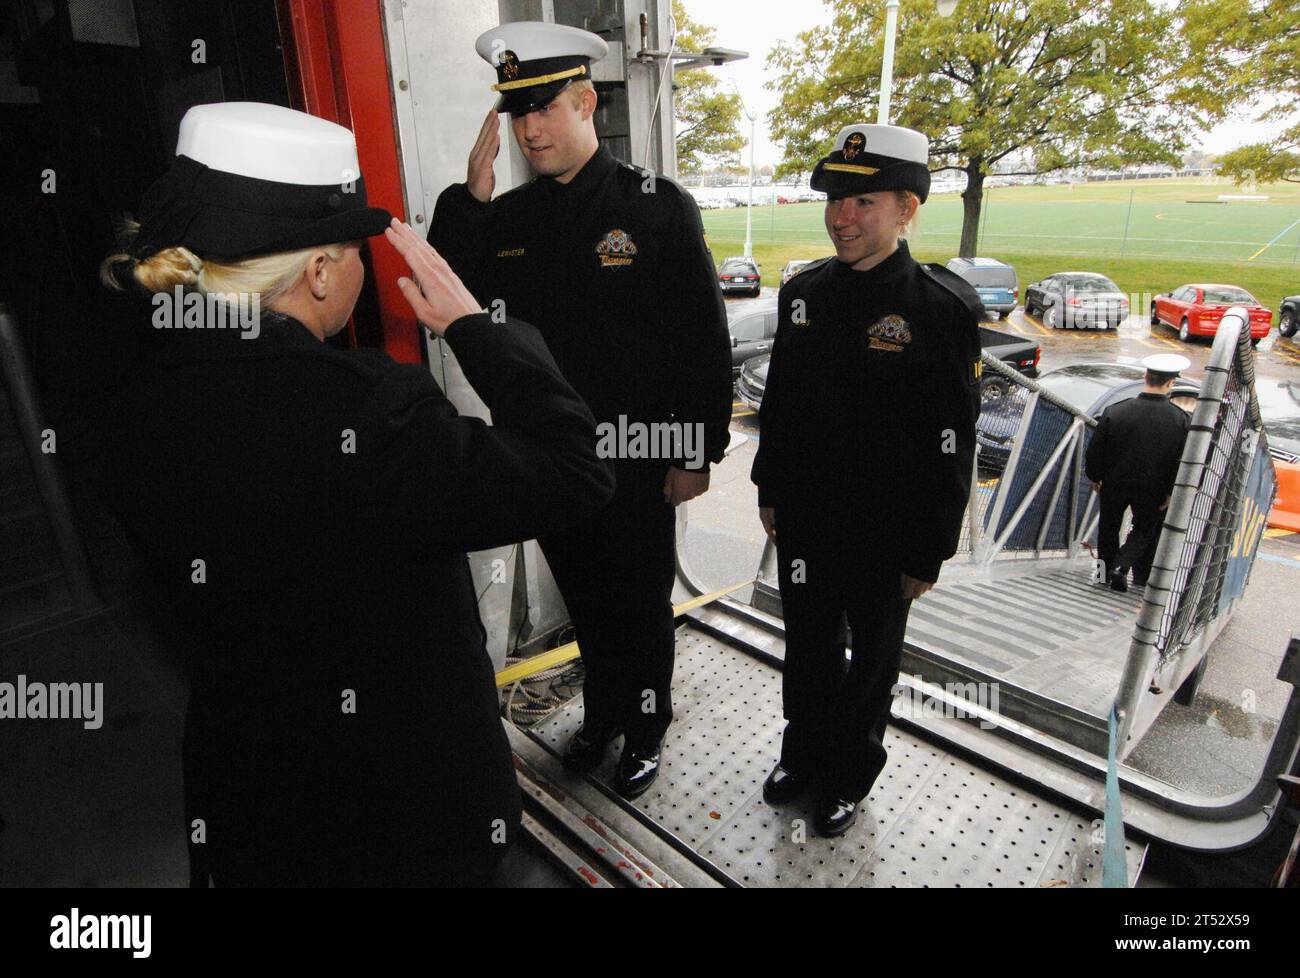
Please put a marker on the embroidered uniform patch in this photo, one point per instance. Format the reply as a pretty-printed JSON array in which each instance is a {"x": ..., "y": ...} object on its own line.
[
  {"x": 890, "y": 333},
  {"x": 616, "y": 248}
]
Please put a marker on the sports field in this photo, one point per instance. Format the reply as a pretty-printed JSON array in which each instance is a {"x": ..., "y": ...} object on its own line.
[{"x": 1148, "y": 235}]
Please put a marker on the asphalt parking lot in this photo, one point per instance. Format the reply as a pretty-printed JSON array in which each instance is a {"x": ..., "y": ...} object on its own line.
[{"x": 724, "y": 543}]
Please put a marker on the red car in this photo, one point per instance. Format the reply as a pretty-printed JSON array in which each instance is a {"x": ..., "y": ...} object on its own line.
[{"x": 1195, "y": 310}]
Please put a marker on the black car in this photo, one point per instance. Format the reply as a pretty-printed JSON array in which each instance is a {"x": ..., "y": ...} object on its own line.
[
  {"x": 1288, "y": 315},
  {"x": 739, "y": 275},
  {"x": 1077, "y": 300},
  {"x": 1089, "y": 387},
  {"x": 752, "y": 326},
  {"x": 1015, "y": 351},
  {"x": 1019, "y": 354}
]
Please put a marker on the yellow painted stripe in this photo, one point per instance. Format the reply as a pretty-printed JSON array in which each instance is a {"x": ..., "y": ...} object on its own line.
[
  {"x": 1274, "y": 532},
  {"x": 566, "y": 653}
]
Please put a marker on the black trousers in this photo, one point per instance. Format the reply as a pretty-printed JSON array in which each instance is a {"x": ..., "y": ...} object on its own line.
[
  {"x": 615, "y": 572},
  {"x": 1139, "y": 549},
  {"x": 836, "y": 712}
]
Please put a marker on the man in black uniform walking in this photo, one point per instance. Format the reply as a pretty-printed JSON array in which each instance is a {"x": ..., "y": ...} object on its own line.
[
  {"x": 864, "y": 466},
  {"x": 1132, "y": 461},
  {"x": 609, "y": 262}
]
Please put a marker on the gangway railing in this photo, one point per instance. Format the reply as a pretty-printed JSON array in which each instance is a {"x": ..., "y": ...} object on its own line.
[
  {"x": 1213, "y": 525},
  {"x": 1041, "y": 501}
]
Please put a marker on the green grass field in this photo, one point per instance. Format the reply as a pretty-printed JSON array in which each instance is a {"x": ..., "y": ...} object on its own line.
[{"x": 1170, "y": 235}]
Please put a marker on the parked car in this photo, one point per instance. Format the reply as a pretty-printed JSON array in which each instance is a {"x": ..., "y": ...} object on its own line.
[
  {"x": 1288, "y": 315},
  {"x": 1020, "y": 354},
  {"x": 1089, "y": 387},
  {"x": 752, "y": 327},
  {"x": 995, "y": 282},
  {"x": 1279, "y": 404},
  {"x": 793, "y": 268},
  {"x": 1076, "y": 300},
  {"x": 1015, "y": 351},
  {"x": 739, "y": 275},
  {"x": 1195, "y": 310}
]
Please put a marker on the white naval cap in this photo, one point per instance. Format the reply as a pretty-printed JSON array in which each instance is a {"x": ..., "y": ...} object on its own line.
[
  {"x": 268, "y": 142},
  {"x": 534, "y": 61},
  {"x": 1166, "y": 363},
  {"x": 253, "y": 179},
  {"x": 896, "y": 142},
  {"x": 869, "y": 158}
]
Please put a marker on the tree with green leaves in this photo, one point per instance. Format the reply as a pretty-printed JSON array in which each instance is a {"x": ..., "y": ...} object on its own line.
[
  {"x": 1253, "y": 48},
  {"x": 706, "y": 115},
  {"x": 1039, "y": 85}
]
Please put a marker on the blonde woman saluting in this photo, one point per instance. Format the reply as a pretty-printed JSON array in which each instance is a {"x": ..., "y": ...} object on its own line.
[{"x": 302, "y": 514}]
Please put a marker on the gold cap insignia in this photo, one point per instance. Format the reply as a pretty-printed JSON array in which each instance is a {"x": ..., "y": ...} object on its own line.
[{"x": 854, "y": 145}]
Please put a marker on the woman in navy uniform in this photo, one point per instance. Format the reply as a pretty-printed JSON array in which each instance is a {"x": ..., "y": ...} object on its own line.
[
  {"x": 303, "y": 513},
  {"x": 864, "y": 464}
]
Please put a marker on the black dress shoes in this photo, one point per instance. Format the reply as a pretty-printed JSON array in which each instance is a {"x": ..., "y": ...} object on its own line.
[
  {"x": 1119, "y": 581},
  {"x": 782, "y": 786},
  {"x": 587, "y": 749},
  {"x": 835, "y": 815},
  {"x": 637, "y": 771}
]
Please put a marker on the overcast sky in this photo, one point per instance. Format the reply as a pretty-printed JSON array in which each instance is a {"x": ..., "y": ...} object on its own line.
[{"x": 757, "y": 25}]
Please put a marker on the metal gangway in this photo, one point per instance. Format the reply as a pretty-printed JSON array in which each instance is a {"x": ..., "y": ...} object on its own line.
[{"x": 1015, "y": 666}]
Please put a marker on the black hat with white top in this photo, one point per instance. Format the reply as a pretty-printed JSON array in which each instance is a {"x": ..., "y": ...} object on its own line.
[
  {"x": 254, "y": 179},
  {"x": 536, "y": 61},
  {"x": 869, "y": 158}
]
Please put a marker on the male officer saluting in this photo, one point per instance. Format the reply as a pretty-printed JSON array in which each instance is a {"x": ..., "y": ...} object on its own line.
[
  {"x": 1132, "y": 461},
  {"x": 609, "y": 262}
]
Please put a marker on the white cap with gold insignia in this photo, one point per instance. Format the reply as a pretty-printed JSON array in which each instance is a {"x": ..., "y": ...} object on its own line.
[{"x": 535, "y": 61}]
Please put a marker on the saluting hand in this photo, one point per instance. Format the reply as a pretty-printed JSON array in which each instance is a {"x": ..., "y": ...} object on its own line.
[
  {"x": 479, "y": 176},
  {"x": 437, "y": 296}
]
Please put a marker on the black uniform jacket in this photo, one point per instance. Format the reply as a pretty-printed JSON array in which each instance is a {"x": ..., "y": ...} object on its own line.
[
  {"x": 1138, "y": 443},
  {"x": 868, "y": 414},
  {"x": 343, "y": 725},
  {"x": 614, "y": 271}
]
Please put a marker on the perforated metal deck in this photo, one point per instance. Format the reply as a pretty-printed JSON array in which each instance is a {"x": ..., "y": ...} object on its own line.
[{"x": 932, "y": 819}]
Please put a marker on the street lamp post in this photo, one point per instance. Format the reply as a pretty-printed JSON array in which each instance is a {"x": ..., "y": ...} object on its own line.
[
  {"x": 749, "y": 209},
  {"x": 945, "y": 8},
  {"x": 887, "y": 62}
]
